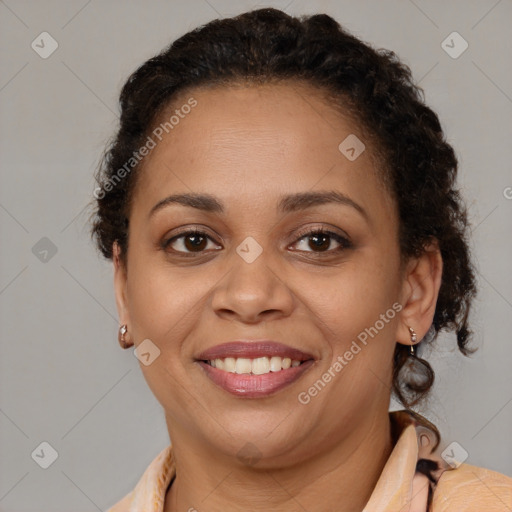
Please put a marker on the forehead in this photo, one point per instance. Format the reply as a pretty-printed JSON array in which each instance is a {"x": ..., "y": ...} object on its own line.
[{"x": 250, "y": 143}]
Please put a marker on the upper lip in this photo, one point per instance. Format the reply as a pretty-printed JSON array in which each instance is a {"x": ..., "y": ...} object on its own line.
[{"x": 253, "y": 349}]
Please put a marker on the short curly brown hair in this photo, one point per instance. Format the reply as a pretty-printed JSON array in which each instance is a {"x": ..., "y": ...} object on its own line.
[{"x": 372, "y": 85}]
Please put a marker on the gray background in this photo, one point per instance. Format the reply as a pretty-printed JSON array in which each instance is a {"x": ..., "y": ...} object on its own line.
[{"x": 64, "y": 379}]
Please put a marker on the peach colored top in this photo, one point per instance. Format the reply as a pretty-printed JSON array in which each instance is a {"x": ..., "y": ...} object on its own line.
[{"x": 401, "y": 487}]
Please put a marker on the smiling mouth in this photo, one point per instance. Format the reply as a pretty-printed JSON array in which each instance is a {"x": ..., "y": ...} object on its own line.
[
  {"x": 254, "y": 369},
  {"x": 259, "y": 377},
  {"x": 253, "y": 366}
]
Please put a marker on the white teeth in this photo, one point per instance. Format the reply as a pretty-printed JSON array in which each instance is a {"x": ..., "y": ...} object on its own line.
[
  {"x": 229, "y": 364},
  {"x": 243, "y": 365},
  {"x": 256, "y": 366},
  {"x": 275, "y": 364},
  {"x": 260, "y": 365}
]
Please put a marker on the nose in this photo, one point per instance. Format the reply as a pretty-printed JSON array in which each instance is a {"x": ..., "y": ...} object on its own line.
[{"x": 252, "y": 292}]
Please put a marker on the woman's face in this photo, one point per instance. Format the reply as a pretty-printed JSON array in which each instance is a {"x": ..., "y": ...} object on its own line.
[{"x": 257, "y": 273}]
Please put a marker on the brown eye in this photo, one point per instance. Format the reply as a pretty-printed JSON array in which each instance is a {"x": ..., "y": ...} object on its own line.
[
  {"x": 320, "y": 241},
  {"x": 192, "y": 241}
]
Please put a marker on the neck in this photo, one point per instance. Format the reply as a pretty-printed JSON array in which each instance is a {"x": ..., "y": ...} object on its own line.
[{"x": 205, "y": 481}]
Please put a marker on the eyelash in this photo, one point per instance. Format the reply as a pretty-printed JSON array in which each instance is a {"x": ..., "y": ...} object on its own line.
[{"x": 343, "y": 241}]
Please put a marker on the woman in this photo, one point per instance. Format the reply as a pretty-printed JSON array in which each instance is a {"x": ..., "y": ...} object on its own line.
[{"x": 281, "y": 211}]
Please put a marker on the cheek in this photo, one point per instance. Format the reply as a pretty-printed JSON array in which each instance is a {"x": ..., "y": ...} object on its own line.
[
  {"x": 357, "y": 312},
  {"x": 163, "y": 304},
  {"x": 354, "y": 297},
  {"x": 164, "y": 307}
]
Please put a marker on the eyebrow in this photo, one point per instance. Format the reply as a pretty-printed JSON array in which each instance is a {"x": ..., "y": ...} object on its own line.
[{"x": 287, "y": 204}]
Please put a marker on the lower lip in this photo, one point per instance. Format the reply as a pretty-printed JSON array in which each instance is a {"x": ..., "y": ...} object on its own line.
[{"x": 254, "y": 386}]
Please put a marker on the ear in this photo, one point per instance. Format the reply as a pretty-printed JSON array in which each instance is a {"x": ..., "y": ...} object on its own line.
[
  {"x": 120, "y": 285},
  {"x": 422, "y": 281}
]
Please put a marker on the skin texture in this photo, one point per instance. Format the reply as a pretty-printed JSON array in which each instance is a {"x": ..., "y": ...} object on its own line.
[{"x": 248, "y": 146}]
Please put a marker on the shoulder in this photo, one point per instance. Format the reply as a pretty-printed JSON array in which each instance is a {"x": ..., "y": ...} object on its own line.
[
  {"x": 469, "y": 488},
  {"x": 149, "y": 493}
]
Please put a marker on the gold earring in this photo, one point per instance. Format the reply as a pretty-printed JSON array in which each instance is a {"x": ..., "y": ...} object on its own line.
[
  {"x": 122, "y": 331},
  {"x": 413, "y": 340}
]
